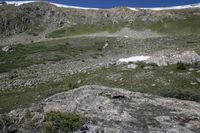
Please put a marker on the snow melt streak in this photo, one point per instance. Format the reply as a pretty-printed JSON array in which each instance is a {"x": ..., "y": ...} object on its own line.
[{"x": 133, "y": 59}]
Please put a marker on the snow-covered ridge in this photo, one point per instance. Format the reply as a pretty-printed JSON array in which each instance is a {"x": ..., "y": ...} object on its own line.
[
  {"x": 174, "y": 7},
  {"x": 66, "y": 6},
  {"x": 17, "y": 3}
]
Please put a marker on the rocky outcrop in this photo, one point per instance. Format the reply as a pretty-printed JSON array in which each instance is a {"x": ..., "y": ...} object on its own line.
[
  {"x": 112, "y": 110},
  {"x": 187, "y": 57}
]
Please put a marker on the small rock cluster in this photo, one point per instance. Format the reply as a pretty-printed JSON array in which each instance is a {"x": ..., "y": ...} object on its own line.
[{"x": 187, "y": 57}]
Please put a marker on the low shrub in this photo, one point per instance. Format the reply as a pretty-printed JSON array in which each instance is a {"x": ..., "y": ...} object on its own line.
[
  {"x": 181, "y": 94},
  {"x": 181, "y": 66},
  {"x": 73, "y": 85},
  {"x": 58, "y": 122}
]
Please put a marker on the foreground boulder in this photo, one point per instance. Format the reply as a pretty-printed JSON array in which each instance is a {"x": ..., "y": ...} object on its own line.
[{"x": 112, "y": 110}]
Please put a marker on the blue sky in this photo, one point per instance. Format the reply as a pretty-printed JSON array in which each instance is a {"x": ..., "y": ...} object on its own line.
[
  {"x": 114, "y": 3},
  {"x": 131, "y": 3}
]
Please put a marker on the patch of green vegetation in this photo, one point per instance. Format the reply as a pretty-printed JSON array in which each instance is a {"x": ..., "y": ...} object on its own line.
[
  {"x": 73, "y": 85},
  {"x": 82, "y": 48},
  {"x": 184, "y": 94},
  {"x": 184, "y": 26},
  {"x": 48, "y": 51},
  {"x": 62, "y": 122},
  {"x": 181, "y": 66},
  {"x": 188, "y": 25},
  {"x": 80, "y": 29},
  {"x": 11, "y": 99},
  {"x": 26, "y": 55}
]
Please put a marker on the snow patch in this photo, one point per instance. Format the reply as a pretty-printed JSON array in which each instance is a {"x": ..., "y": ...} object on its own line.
[
  {"x": 133, "y": 59},
  {"x": 173, "y": 7},
  {"x": 134, "y": 9},
  {"x": 18, "y": 3},
  {"x": 66, "y": 6}
]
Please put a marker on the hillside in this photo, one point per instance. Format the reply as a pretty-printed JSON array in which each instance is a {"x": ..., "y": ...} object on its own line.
[
  {"x": 35, "y": 19},
  {"x": 60, "y": 66}
]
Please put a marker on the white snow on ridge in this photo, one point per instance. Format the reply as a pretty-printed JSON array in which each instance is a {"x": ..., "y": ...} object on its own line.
[
  {"x": 17, "y": 3},
  {"x": 134, "y": 9},
  {"x": 174, "y": 7},
  {"x": 66, "y": 6},
  {"x": 133, "y": 59}
]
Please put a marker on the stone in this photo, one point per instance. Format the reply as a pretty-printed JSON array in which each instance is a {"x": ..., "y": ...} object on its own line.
[
  {"x": 79, "y": 81},
  {"x": 153, "y": 85},
  {"x": 193, "y": 83},
  {"x": 132, "y": 66},
  {"x": 163, "y": 119},
  {"x": 7, "y": 49},
  {"x": 148, "y": 67},
  {"x": 191, "y": 69},
  {"x": 105, "y": 46}
]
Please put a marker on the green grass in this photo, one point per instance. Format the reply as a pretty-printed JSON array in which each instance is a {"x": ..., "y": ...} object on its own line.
[
  {"x": 80, "y": 29},
  {"x": 183, "y": 26},
  {"x": 49, "y": 51},
  {"x": 22, "y": 97},
  {"x": 26, "y": 55},
  {"x": 189, "y": 25}
]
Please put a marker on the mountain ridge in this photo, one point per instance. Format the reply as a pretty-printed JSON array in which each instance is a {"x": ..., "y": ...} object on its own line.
[
  {"x": 39, "y": 19},
  {"x": 196, "y": 5}
]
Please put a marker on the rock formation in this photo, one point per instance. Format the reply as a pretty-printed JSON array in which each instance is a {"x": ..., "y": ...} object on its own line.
[{"x": 112, "y": 110}]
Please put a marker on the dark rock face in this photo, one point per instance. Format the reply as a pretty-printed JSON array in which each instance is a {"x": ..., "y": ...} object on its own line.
[
  {"x": 116, "y": 110},
  {"x": 17, "y": 19}
]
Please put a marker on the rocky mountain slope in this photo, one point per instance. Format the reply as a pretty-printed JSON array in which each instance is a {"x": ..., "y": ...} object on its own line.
[
  {"x": 36, "y": 18},
  {"x": 47, "y": 49}
]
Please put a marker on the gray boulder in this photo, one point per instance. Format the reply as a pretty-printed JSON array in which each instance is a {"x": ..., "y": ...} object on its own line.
[{"x": 112, "y": 110}]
